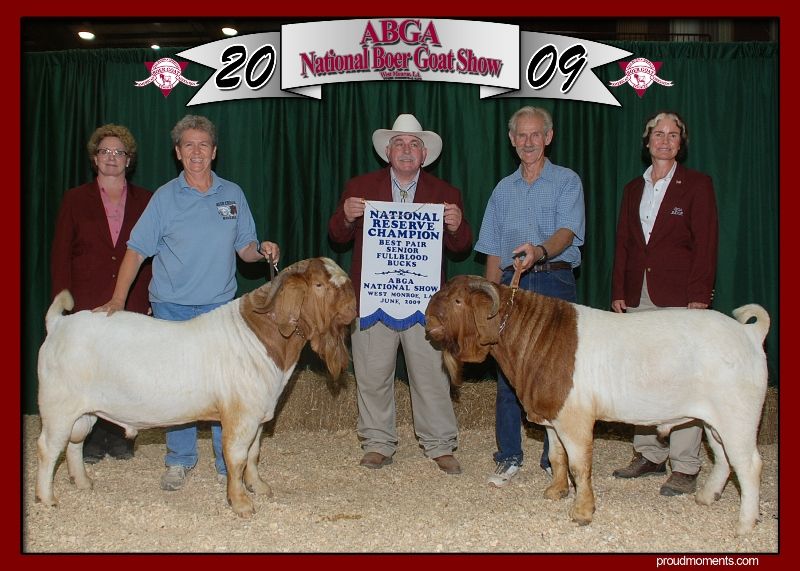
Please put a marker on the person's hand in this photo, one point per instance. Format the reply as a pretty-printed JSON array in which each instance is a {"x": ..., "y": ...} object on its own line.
[
  {"x": 697, "y": 305},
  {"x": 619, "y": 305},
  {"x": 270, "y": 251},
  {"x": 354, "y": 208},
  {"x": 110, "y": 307},
  {"x": 524, "y": 256},
  {"x": 452, "y": 217}
]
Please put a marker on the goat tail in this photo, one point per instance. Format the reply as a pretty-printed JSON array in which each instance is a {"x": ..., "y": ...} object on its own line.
[
  {"x": 750, "y": 311},
  {"x": 62, "y": 302}
]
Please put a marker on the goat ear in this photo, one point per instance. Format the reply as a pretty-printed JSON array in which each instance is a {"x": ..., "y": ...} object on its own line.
[
  {"x": 260, "y": 299},
  {"x": 486, "y": 324},
  {"x": 286, "y": 306}
]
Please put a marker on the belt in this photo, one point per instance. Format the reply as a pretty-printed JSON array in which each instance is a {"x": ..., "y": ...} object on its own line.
[
  {"x": 551, "y": 266},
  {"x": 545, "y": 267}
]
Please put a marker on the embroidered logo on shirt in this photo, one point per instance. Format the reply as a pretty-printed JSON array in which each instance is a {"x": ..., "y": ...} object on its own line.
[
  {"x": 677, "y": 211},
  {"x": 227, "y": 210}
]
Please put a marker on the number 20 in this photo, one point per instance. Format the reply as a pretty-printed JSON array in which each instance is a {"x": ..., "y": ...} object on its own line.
[
  {"x": 235, "y": 57},
  {"x": 571, "y": 63}
]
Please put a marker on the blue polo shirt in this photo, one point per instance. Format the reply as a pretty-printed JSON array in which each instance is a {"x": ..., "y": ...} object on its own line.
[
  {"x": 519, "y": 212},
  {"x": 193, "y": 238}
]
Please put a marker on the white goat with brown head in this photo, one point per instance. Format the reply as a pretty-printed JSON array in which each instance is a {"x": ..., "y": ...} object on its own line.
[
  {"x": 571, "y": 365},
  {"x": 230, "y": 364}
]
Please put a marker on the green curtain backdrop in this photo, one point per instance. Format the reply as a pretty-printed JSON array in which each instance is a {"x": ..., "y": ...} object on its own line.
[{"x": 293, "y": 156}]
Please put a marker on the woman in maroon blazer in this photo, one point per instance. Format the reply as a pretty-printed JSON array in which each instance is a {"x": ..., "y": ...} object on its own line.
[
  {"x": 92, "y": 230},
  {"x": 666, "y": 256}
]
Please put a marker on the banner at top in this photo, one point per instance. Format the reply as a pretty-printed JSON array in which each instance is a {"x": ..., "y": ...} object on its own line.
[
  {"x": 497, "y": 57},
  {"x": 460, "y": 51}
]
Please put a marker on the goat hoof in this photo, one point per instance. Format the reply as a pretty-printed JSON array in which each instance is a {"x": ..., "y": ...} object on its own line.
[
  {"x": 242, "y": 507},
  {"x": 556, "y": 493},
  {"x": 706, "y": 498},
  {"x": 82, "y": 483},
  {"x": 52, "y": 502},
  {"x": 259, "y": 487},
  {"x": 580, "y": 519}
]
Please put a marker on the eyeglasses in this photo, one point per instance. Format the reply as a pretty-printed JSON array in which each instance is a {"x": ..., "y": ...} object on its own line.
[{"x": 116, "y": 152}]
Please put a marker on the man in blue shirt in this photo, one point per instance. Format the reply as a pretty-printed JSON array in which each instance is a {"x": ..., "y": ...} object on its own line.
[
  {"x": 193, "y": 227},
  {"x": 535, "y": 216}
]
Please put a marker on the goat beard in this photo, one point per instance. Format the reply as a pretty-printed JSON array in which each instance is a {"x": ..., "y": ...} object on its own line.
[
  {"x": 332, "y": 350},
  {"x": 453, "y": 366}
]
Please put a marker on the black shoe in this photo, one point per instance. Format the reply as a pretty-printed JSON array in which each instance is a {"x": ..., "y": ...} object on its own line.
[
  {"x": 120, "y": 448},
  {"x": 92, "y": 453},
  {"x": 94, "y": 447},
  {"x": 121, "y": 453},
  {"x": 640, "y": 466}
]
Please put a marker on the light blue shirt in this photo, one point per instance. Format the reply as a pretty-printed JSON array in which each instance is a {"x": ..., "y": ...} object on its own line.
[
  {"x": 193, "y": 237},
  {"x": 519, "y": 212}
]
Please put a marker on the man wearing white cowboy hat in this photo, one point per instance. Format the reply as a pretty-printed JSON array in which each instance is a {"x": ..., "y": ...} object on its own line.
[{"x": 407, "y": 148}]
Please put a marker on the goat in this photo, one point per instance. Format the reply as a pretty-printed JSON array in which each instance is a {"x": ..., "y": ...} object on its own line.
[
  {"x": 572, "y": 365},
  {"x": 230, "y": 364}
]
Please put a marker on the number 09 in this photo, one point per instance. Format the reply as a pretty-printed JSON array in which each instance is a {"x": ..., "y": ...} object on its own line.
[{"x": 570, "y": 63}]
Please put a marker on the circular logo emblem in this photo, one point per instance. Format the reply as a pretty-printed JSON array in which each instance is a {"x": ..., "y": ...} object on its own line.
[
  {"x": 166, "y": 73},
  {"x": 640, "y": 73}
]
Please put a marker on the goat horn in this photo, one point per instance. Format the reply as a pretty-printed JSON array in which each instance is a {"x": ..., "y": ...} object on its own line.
[
  {"x": 276, "y": 283},
  {"x": 488, "y": 287}
]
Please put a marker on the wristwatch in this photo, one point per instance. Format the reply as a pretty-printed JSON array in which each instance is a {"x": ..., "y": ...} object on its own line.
[{"x": 259, "y": 249}]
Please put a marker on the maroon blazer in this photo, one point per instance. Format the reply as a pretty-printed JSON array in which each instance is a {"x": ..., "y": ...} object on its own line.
[
  {"x": 681, "y": 256},
  {"x": 377, "y": 185},
  {"x": 83, "y": 258}
]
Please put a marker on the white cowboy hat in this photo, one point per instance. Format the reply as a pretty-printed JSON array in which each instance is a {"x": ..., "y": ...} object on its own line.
[{"x": 407, "y": 124}]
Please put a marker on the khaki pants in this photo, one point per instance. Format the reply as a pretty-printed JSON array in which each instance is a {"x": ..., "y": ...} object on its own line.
[
  {"x": 683, "y": 450},
  {"x": 374, "y": 360}
]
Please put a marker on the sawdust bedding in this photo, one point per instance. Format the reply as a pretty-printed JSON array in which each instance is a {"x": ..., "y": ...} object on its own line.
[{"x": 325, "y": 503}]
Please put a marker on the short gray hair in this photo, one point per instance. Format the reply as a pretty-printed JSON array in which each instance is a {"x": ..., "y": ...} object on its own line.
[
  {"x": 529, "y": 111},
  {"x": 197, "y": 122}
]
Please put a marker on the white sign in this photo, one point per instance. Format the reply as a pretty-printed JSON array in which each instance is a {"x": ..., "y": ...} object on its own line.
[{"x": 401, "y": 262}]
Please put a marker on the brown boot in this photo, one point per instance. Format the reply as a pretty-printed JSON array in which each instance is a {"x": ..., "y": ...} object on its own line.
[
  {"x": 375, "y": 460},
  {"x": 679, "y": 484},
  {"x": 640, "y": 466},
  {"x": 448, "y": 464}
]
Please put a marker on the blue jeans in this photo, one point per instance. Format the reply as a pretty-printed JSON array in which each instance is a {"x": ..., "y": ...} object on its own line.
[
  {"x": 182, "y": 440},
  {"x": 508, "y": 410}
]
